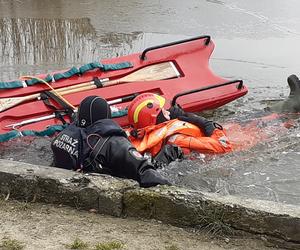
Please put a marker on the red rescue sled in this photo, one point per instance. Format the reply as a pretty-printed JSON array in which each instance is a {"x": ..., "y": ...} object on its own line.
[{"x": 195, "y": 88}]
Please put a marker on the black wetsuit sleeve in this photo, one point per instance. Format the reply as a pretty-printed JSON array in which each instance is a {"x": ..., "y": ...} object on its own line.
[
  {"x": 119, "y": 159},
  {"x": 176, "y": 111},
  {"x": 125, "y": 161},
  {"x": 208, "y": 127}
]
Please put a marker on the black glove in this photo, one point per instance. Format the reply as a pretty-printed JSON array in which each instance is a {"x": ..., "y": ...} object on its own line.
[
  {"x": 150, "y": 178},
  {"x": 176, "y": 111},
  {"x": 167, "y": 154},
  {"x": 205, "y": 125}
]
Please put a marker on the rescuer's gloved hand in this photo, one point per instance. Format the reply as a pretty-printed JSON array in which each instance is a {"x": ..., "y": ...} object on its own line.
[
  {"x": 167, "y": 154},
  {"x": 205, "y": 125},
  {"x": 176, "y": 111},
  {"x": 150, "y": 178}
]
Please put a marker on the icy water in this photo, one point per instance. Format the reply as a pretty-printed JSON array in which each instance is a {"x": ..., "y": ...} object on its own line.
[{"x": 257, "y": 41}]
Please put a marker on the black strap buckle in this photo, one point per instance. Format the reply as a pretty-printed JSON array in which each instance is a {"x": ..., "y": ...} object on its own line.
[{"x": 67, "y": 109}]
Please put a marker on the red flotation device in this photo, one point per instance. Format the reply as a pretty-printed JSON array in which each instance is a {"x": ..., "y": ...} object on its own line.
[{"x": 179, "y": 71}]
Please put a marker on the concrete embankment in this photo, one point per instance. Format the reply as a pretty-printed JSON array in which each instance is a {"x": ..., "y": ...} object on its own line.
[{"x": 181, "y": 207}]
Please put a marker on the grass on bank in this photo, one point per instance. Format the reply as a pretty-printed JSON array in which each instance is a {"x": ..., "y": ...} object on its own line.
[
  {"x": 113, "y": 245},
  {"x": 11, "y": 244},
  {"x": 78, "y": 244},
  {"x": 172, "y": 247},
  {"x": 212, "y": 222},
  {"x": 81, "y": 245}
]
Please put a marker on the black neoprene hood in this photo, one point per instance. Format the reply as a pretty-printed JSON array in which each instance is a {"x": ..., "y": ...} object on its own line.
[{"x": 92, "y": 109}]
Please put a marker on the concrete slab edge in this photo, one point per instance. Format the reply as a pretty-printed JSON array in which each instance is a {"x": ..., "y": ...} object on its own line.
[{"x": 173, "y": 205}]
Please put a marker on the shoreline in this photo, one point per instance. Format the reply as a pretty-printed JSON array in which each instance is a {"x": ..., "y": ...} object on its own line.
[{"x": 278, "y": 223}]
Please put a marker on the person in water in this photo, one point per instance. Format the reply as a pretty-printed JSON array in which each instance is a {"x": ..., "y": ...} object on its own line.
[
  {"x": 154, "y": 127},
  {"x": 95, "y": 143},
  {"x": 156, "y": 131}
]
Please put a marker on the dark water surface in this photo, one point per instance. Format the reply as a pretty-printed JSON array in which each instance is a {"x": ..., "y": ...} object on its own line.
[{"x": 257, "y": 41}]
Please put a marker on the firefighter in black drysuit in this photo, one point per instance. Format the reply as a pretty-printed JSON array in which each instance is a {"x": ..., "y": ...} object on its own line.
[{"x": 95, "y": 143}]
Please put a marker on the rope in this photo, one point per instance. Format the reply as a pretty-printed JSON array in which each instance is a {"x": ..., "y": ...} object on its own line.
[{"x": 54, "y": 91}]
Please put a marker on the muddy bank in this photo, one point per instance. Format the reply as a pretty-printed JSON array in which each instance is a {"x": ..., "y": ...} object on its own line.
[
  {"x": 276, "y": 222},
  {"x": 37, "y": 226}
]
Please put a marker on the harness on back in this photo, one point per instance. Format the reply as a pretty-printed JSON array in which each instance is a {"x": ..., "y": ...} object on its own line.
[{"x": 95, "y": 160}]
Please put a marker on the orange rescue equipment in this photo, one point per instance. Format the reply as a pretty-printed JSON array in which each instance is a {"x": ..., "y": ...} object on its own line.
[
  {"x": 144, "y": 109},
  {"x": 186, "y": 135}
]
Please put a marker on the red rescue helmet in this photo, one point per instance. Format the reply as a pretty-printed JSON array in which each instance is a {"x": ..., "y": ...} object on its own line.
[{"x": 144, "y": 109}]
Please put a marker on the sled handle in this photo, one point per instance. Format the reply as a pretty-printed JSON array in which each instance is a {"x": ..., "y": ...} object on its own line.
[
  {"x": 143, "y": 56},
  {"x": 239, "y": 86}
]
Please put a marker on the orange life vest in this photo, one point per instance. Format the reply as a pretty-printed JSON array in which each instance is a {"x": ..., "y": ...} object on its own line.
[{"x": 186, "y": 135}]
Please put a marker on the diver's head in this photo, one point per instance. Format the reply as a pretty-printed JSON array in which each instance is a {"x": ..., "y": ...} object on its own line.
[
  {"x": 147, "y": 109},
  {"x": 92, "y": 109}
]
